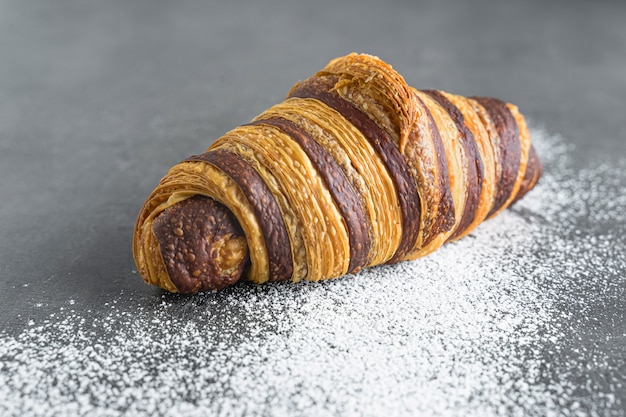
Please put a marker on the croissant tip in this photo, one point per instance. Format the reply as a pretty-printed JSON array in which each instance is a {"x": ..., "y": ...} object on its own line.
[{"x": 202, "y": 246}]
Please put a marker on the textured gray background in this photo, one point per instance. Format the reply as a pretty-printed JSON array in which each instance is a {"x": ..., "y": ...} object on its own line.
[{"x": 99, "y": 98}]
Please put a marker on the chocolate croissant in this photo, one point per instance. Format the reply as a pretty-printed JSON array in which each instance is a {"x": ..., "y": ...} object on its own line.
[{"x": 354, "y": 168}]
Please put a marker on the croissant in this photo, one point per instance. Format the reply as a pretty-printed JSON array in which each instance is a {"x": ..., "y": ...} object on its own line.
[{"x": 353, "y": 169}]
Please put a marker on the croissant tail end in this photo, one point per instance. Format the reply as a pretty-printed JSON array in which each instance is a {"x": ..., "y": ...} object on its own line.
[{"x": 202, "y": 245}]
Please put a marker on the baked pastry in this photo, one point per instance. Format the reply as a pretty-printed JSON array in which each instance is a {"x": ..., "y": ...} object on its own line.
[{"x": 354, "y": 168}]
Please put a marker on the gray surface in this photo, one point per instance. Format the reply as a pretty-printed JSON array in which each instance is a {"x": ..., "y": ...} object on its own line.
[{"x": 98, "y": 99}]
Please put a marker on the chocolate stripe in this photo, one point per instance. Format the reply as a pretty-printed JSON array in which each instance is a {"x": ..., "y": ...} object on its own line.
[
  {"x": 445, "y": 213},
  {"x": 534, "y": 169},
  {"x": 264, "y": 206},
  {"x": 340, "y": 189},
  {"x": 321, "y": 89},
  {"x": 510, "y": 147},
  {"x": 474, "y": 161}
]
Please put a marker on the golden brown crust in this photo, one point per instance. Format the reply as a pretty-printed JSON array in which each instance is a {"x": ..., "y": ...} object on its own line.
[
  {"x": 524, "y": 138},
  {"x": 375, "y": 88},
  {"x": 474, "y": 164},
  {"x": 534, "y": 169},
  {"x": 362, "y": 165},
  {"x": 510, "y": 153},
  {"x": 457, "y": 167},
  {"x": 395, "y": 164},
  {"x": 325, "y": 237},
  {"x": 486, "y": 154},
  {"x": 341, "y": 191},
  {"x": 425, "y": 152}
]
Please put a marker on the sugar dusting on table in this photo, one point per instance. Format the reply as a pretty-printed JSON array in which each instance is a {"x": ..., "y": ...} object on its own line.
[{"x": 503, "y": 322}]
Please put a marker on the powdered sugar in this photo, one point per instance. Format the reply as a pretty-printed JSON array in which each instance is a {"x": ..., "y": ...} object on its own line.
[{"x": 523, "y": 317}]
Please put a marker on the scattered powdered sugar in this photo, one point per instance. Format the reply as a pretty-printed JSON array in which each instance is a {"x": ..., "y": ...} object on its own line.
[{"x": 524, "y": 317}]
